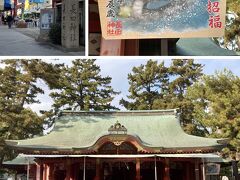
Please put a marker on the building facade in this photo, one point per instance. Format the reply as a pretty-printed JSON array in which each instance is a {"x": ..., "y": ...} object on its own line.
[
  {"x": 121, "y": 145},
  {"x": 24, "y": 167}
]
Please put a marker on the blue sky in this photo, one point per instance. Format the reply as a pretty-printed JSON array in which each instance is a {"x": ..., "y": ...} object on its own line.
[{"x": 118, "y": 69}]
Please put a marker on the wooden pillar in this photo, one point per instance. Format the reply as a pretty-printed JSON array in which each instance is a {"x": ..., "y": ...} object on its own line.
[
  {"x": 138, "y": 167},
  {"x": 76, "y": 171},
  {"x": 188, "y": 171},
  {"x": 112, "y": 47},
  {"x": 45, "y": 172},
  {"x": 131, "y": 47},
  {"x": 164, "y": 47},
  {"x": 155, "y": 168},
  {"x": 203, "y": 169},
  {"x": 28, "y": 170},
  {"x": 51, "y": 172},
  {"x": 192, "y": 173},
  {"x": 197, "y": 169},
  {"x": 41, "y": 172},
  {"x": 69, "y": 170},
  {"x": 38, "y": 171},
  {"x": 84, "y": 168},
  {"x": 166, "y": 170},
  {"x": 98, "y": 169}
]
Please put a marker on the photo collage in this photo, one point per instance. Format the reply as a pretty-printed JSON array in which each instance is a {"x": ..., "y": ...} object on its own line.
[{"x": 119, "y": 90}]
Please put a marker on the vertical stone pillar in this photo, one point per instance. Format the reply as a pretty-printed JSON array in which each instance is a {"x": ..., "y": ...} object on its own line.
[
  {"x": 70, "y": 24},
  {"x": 138, "y": 167},
  {"x": 166, "y": 170}
]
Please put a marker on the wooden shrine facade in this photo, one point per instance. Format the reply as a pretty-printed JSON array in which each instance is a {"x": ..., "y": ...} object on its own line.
[
  {"x": 121, "y": 145},
  {"x": 118, "y": 161},
  {"x": 94, "y": 168}
]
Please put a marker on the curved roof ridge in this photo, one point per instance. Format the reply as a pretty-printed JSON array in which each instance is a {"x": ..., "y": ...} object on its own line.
[
  {"x": 122, "y": 112},
  {"x": 155, "y": 128}
]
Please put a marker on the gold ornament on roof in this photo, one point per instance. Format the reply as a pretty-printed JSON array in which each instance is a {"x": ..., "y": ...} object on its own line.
[{"x": 117, "y": 128}]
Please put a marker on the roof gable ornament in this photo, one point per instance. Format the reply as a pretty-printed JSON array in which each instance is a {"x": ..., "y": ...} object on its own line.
[{"x": 117, "y": 128}]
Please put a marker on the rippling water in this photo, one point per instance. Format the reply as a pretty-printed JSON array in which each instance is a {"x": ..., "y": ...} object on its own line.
[{"x": 180, "y": 15}]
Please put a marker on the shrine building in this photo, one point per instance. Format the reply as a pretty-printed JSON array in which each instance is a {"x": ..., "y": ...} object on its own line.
[{"x": 119, "y": 145}]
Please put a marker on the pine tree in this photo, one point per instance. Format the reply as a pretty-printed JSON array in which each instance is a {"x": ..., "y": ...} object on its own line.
[
  {"x": 216, "y": 102},
  {"x": 155, "y": 86},
  {"x": 18, "y": 87},
  {"x": 231, "y": 39},
  {"x": 83, "y": 88},
  {"x": 147, "y": 84}
]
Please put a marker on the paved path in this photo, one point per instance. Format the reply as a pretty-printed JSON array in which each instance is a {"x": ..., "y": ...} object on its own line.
[{"x": 14, "y": 43}]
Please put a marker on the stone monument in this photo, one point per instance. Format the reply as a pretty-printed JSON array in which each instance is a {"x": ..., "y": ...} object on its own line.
[{"x": 70, "y": 24}]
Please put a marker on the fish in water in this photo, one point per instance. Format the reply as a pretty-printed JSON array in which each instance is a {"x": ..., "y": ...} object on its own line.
[
  {"x": 136, "y": 10},
  {"x": 139, "y": 5}
]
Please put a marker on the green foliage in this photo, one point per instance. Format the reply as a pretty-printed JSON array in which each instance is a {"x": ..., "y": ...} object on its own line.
[
  {"x": 209, "y": 105},
  {"x": 155, "y": 86},
  {"x": 83, "y": 88},
  {"x": 232, "y": 33},
  {"x": 55, "y": 34},
  {"x": 233, "y": 6},
  {"x": 231, "y": 39},
  {"x": 18, "y": 87},
  {"x": 216, "y": 101},
  {"x": 147, "y": 83}
]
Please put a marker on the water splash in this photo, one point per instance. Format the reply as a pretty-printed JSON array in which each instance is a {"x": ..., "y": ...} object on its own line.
[{"x": 179, "y": 16}]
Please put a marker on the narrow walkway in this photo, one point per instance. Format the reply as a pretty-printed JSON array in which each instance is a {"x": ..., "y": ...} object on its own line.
[{"x": 14, "y": 43}]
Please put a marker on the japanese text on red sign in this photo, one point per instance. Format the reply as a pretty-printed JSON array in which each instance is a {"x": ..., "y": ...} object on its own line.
[{"x": 114, "y": 28}]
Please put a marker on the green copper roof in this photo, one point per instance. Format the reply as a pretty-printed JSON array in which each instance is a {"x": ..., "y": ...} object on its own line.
[
  {"x": 20, "y": 160},
  {"x": 83, "y": 129}
]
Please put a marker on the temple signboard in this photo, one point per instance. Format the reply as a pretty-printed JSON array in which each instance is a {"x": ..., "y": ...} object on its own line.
[
  {"x": 138, "y": 19},
  {"x": 46, "y": 18}
]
